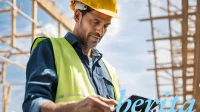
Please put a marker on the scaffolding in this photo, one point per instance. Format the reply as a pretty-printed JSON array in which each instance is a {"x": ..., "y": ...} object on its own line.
[
  {"x": 180, "y": 74},
  {"x": 12, "y": 47}
]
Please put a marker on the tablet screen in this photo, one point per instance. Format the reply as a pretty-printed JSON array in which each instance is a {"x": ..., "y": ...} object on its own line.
[{"x": 141, "y": 107}]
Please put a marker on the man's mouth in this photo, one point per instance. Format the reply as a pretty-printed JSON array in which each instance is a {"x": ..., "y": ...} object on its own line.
[{"x": 96, "y": 37}]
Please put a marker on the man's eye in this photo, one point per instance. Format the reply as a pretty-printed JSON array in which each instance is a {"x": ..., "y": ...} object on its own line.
[
  {"x": 96, "y": 22},
  {"x": 106, "y": 26}
]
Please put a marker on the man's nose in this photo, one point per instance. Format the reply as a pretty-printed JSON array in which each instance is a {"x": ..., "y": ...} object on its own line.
[{"x": 100, "y": 30}]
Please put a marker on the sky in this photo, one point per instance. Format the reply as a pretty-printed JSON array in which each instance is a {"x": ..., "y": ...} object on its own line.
[{"x": 124, "y": 46}]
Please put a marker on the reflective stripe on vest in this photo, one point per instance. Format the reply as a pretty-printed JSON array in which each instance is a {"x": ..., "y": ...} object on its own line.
[{"x": 73, "y": 82}]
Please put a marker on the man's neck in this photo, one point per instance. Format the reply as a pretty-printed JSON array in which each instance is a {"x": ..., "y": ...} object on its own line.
[{"x": 87, "y": 51}]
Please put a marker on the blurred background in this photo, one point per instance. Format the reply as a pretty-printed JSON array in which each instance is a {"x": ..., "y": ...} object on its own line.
[{"x": 155, "y": 46}]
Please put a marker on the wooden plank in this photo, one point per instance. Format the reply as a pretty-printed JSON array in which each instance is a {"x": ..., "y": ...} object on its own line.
[
  {"x": 18, "y": 36},
  {"x": 13, "y": 23},
  {"x": 3, "y": 72},
  {"x": 13, "y": 63},
  {"x": 4, "y": 41},
  {"x": 154, "y": 49},
  {"x": 23, "y": 35},
  {"x": 6, "y": 36},
  {"x": 4, "y": 51},
  {"x": 188, "y": 77},
  {"x": 177, "y": 16},
  {"x": 188, "y": 92},
  {"x": 59, "y": 29},
  {"x": 168, "y": 68},
  {"x": 51, "y": 9},
  {"x": 164, "y": 38},
  {"x": 168, "y": 38},
  {"x": 20, "y": 53},
  {"x": 8, "y": 96},
  {"x": 21, "y": 12},
  {"x": 184, "y": 44},
  {"x": 197, "y": 60},
  {"x": 5, "y": 97},
  {"x": 177, "y": 51},
  {"x": 34, "y": 16},
  {"x": 163, "y": 96},
  {"x": 171, "y": 48},
  {"x": 5, "y": 10}
]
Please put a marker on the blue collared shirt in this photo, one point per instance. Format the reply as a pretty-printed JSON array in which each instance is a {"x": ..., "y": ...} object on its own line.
[{"x": 41, "y": 76}]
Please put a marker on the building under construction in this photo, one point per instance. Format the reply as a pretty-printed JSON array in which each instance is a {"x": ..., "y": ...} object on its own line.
[
  {"x": 179, "y": 72},
  {"x": 178, "y": 75},
  {"x": 10, "y": 47}
]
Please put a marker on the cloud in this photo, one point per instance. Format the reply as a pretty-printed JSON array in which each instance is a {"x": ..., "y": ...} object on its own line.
[
  {"x": 114, "y": 29},
  {"x": 50, "y": 28},
  {"x": 138, "y": 83},
  {"x": 126, "y": 50}
]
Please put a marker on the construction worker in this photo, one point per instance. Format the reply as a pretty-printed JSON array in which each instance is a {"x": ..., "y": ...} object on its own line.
[{"x": 69, "y": 74}]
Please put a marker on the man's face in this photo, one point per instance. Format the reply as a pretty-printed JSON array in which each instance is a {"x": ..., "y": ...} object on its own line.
[{"x": 92, "y": 27}]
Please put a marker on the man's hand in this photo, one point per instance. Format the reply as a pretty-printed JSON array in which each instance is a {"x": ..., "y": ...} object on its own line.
[
  {"x": 95, "y": 104},
  {"x": 90, "y": 104}
]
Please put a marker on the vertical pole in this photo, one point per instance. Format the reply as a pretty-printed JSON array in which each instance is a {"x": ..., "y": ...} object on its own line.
[
  {"x": 3, "y": 99},
  {"x": 184, "y": 44},
  {"x": 171, "y": 48},
  {"x": 4, "y": 89},
  {"x": 6, "y": 95},
  {"x": 59, "y": 29},
  {"x": 197, "y": 60},
  {"x": 34, "y": 15},
  {"x": 13, "y": 23},
  {"x": 154, "y": 50}
]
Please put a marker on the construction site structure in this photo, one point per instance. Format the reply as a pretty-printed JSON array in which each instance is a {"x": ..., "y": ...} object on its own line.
[
  {"x": 180, "y": 74},
  {"x": 12, "y": 48},
  {"x": 182, "y": 71}
]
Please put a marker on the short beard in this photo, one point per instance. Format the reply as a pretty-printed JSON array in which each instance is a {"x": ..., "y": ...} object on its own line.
[
  {"x": 83, "y": 37},
  {"x": 81, "y": 34}
]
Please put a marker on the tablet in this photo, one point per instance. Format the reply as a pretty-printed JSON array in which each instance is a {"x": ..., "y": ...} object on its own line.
[{"x": 140, "y": 108}]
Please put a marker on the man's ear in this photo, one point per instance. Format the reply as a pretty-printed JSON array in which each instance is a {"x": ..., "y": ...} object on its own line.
[{"x": 77, "y": 16}]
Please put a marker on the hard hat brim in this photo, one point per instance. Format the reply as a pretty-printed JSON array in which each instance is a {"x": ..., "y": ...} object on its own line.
[{"x": 109, "y": 13}]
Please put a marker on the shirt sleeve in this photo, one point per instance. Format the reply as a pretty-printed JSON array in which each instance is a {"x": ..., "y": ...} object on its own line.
[{"x": 41, "y": 77}]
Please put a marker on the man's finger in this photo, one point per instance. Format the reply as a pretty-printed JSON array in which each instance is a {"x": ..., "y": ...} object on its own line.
[
  {"x": 107, "y": 101},
  {"x": 97, "y": 103}
]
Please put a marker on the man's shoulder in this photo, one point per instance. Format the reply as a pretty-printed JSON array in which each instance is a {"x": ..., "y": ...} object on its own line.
[{"x": 41, "y": 41}]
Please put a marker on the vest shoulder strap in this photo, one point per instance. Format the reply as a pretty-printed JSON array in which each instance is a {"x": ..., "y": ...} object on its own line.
[{"x": 36, "y": 41}]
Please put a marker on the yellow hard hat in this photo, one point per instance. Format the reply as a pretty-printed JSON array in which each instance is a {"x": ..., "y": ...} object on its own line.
[{"x": 108, "y": 7}]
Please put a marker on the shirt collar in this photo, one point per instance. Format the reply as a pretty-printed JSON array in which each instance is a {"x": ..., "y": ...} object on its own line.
[
  {"x": 72, "y": 39},
  {"x": 95, "y": 52}
]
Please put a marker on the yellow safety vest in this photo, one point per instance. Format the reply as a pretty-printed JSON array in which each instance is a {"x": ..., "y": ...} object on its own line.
[{"x": 73, "y": 82}]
